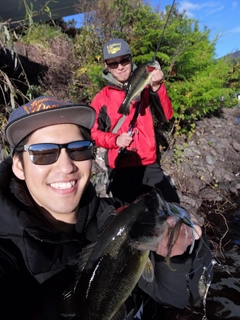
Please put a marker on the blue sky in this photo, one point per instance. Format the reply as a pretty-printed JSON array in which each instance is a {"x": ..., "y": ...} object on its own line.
[{"x": 221, "y": 17}]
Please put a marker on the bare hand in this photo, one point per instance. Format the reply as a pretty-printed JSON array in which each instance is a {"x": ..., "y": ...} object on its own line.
[
  {"x": 156, "y": 80},
  {"x": 182, "y": 242},
  {"x": 123, "y": 140}
]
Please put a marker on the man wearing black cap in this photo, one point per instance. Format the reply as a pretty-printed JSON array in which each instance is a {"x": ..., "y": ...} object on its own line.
[
  {"x": 132, "y": 141},
  {"x": 50, "y": 212}
]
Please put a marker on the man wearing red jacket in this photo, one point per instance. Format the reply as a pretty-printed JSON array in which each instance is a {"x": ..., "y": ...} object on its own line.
[{"x": 132, "y": 156}]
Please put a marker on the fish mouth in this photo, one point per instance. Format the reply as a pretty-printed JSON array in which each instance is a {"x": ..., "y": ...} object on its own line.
[{"x": 154, "y": 65}]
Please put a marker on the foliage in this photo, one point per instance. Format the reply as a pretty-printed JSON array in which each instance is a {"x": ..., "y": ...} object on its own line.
[
  {"x": 31, "y": 12},
  {"x": 39, "y": 34},
  {"x": 83, "y": 76},
  {"x": 196, "y": 81},
  {"x": 9, "y": 88},
  {"x": 88, "y": 47}
]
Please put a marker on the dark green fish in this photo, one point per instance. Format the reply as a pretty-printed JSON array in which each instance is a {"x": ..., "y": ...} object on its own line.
[
  {"x": 139, "y": 79},
  {"x": 120, "y": 257}
]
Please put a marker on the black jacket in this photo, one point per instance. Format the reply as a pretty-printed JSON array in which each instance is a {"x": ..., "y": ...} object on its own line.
[{"x": 38, "y": 262}]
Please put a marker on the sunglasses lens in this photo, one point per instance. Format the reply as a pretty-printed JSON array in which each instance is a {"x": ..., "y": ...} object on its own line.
[
  {"x": 43, "y": 153},
  {"x": 48, "y": 153},
  {"x": 80, "y": 150},
  {"x": 113, "y": 65},
  {"x": 123, "y": 62}
]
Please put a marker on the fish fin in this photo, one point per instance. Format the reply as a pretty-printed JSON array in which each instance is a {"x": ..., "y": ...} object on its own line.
[
  {"x": 121, "y": 313},
  {"x": 67, "y": 306},
  {"x": 148, "y": 272},
  {"x": 137, "y": 98},
  {"x": 125, "y": 107}
]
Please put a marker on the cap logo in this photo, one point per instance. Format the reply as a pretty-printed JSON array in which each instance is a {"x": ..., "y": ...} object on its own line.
[
  {"x": 113, "y": 48},
  {"x": 42, "y": 104}
]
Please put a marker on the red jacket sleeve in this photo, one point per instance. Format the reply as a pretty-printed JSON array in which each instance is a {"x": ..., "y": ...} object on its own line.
[
  {"x": 102, "y": 138},
  {"x": 166, "y": 102},
  {"x": 161, "y": 104}
]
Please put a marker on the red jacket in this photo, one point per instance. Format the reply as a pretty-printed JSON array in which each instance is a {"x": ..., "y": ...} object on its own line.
[{"x": 142, "y": 150}]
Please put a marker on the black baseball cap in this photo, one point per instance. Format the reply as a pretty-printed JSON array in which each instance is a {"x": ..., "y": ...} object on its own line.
[
  {"x": 115, "y": 48},
  {"x": 46, "y": 111}
]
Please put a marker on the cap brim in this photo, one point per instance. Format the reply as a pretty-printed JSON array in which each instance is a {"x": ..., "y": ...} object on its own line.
[{"x": 82, "y": 115}]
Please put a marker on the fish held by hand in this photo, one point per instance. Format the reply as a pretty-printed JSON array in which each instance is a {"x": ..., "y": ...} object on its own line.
[
  {"x": 139, "y": 79},
  {"x": 119, "y": 258}
]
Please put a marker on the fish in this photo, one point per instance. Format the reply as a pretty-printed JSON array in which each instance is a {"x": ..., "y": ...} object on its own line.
[
  {"x": 120, "y": 257},
  {"x": 139, "y": 79}
]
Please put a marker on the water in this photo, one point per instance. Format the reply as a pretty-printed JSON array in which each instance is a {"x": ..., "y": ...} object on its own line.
[{"x": 224, "y": 293}]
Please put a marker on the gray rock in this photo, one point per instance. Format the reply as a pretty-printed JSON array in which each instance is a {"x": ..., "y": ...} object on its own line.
[{"x": 210, "y": 160}]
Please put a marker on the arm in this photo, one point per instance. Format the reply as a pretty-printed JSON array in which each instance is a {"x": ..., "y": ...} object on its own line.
[
  {"x": 100, "y": 131},
  {"x": 160, "y": 102}
]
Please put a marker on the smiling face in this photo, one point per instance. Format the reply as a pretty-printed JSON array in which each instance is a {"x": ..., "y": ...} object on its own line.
[
  {"x": 122, "y": 72},
  {"x": 56, "y": 187}
]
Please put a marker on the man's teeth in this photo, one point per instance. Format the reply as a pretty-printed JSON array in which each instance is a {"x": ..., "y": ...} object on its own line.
[{"x": 63, "y": 185}]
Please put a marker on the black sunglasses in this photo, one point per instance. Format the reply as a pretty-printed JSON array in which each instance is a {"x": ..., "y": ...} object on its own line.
[
  {"x": 123, "y": 62},
  {"x": 48, "y": 153}
]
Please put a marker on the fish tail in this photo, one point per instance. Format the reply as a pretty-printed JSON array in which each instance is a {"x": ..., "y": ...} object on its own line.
[{"x": 124, "y": 108}]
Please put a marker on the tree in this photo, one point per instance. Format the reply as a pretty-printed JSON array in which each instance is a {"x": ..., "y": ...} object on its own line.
[{"x": 194, "y": 78}]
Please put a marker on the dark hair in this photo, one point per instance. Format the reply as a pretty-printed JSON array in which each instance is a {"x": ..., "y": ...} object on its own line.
[{"x": 18, "y": 150}]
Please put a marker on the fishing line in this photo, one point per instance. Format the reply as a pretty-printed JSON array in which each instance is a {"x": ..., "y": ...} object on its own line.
[
  {"x": 205, "y": 280},
  {"x": 160, "y": 40},
  {"x": 219, "y": 264}
]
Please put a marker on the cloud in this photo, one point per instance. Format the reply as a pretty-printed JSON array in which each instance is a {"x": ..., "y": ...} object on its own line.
[
  {"x": 190, "y": 7},
  {"x": 235, "y": 30},
  {"x": 234, "y": 5},
  {"x": 213, "y": 11}
]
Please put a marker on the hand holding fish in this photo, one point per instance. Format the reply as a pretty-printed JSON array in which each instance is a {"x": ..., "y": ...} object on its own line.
[
  {"x": 156, "y": 80},
  {"x": 123, "y": 140},
  {"x": 184, "y": 239},
  {"x": 140, "y": 78}
]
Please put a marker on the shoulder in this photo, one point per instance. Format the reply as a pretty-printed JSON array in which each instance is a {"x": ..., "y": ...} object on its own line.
[
  {"x": 5, "y": 173},
  {"x": 107, "y": 206}
]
